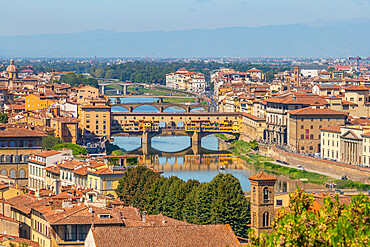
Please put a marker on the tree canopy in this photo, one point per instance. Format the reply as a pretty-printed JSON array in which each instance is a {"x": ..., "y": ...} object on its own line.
[
  {"x": 335, "y": 224},
  {"x": 49, "y": 142},
  {"x": 4, "y": 118},
  {"x": 77, "y": 149},
  {"x": 220, "y": 201}
]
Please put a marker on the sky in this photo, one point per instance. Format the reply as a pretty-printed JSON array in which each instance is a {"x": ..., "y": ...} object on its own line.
[{"x": 24, "y": 17}]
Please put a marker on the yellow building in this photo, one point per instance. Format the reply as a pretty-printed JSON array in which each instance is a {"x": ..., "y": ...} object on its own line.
[
  {"x": 87, "y": 93},
  {"x": 104, "y": 179},
  {"x": 34, "y": 102},
  {"x": 9, "y": 191},
  {"x": 95, "y": 121},
  {"x": 252, "y": 127}
]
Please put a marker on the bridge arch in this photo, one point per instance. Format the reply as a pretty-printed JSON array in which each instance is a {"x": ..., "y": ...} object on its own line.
[
  {"x": 173, "y": 105},
  {"x": 135, "y": 108}
]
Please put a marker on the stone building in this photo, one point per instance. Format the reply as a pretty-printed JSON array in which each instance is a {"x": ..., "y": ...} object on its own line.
[
  {"x": 277, "y": 114},
  {"x": 16, "y": 145},
  {"x": 304, "y": 127},
  {"x": 262, "y": 202},
  {"x": 253, "y": 127},
  {"x": 346, "y": 144}
]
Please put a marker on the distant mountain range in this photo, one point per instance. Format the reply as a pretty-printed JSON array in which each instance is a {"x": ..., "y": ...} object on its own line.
[{"x": 326, "y": 39}]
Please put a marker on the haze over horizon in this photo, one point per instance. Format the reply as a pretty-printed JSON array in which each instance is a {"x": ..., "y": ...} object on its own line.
[{"x": 70, "y": 16}]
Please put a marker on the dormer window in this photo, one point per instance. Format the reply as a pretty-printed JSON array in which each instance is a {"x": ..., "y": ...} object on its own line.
[{"x": 104, "y": 216}]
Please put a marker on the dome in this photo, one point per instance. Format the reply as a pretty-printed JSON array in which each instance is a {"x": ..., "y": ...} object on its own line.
[{"x": 12, "y": 67}]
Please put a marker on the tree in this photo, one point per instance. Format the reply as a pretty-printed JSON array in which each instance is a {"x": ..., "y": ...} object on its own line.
[
  {"x": 134, "y": 185},
  {"x": 334, "y": 224},
  {"x": 220, "y": 201},
  {"x": 77, "y": 149},
  {"x": 4, "y": 118},
  {"x": 49, "y": 142}
]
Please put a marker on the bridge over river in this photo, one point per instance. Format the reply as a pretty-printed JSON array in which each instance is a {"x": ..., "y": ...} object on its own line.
[{"x": 141, "y": 124}]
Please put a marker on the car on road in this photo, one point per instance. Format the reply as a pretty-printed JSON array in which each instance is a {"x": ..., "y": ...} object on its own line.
[{"x": 301, "y": 167}]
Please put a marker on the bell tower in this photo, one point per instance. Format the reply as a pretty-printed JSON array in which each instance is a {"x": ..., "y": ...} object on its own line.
[
  {"x": 262, "y": 202},
  {"x": 296, "y": 76}
]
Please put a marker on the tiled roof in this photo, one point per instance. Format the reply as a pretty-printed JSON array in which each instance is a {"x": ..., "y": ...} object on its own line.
[
  {"x": 185, "y": 235},
  {"x": 46, "y": 154},
  {"x": 21, "y": 132},
  {"x": 53, "y": 169},
  {"x": 19, "y": 202},
  {"x": 262, "y": 176},
  {"x": 252, "y": 117},
  {"x": 332, "y": 128},
  {"x": 71, "y": 165},
  {"x": 81, "y": 171},
  {"x": 80, "y": 215},
  {"x": 356, "y": 88},
  {"x": 312, "y": 111}
]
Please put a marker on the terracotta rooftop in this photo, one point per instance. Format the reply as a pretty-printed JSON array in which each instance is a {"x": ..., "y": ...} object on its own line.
[
  {"x": 20, "y": 132},
  {"x": 312, "y": 111},
  {"x": 46, "y": 154},
  {"x": 332, "y": 128},
  {"x": 185, "y": 235},
  {"x": 262, "y": 176},
  {"x": 356, "y": 88}
]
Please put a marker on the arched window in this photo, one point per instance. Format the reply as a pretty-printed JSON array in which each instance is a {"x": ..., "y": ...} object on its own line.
[
  {"x": 12, "y": 173},
  {"x": 265, "y": 220},
  {"x": 311, "y": 136},
  {"x": 311, "y": 148},
  {"x": 302, "y": 136},
  {"x": 8, "y": 159},
  {"x": 254, "y": 193},
  {"x": 12, "y": 158},
  {"x": 22, "y": 173},
  {"x": 254, "y": 219},
  {"x": 302, "y": 127},
  {"x": 3, "y": 172},
  {"x": 25, "y": 158},
  {"x": 311, "y": 127},
  {"x": 2, "y": 159},
  {"x": 265, "y": 194},
  {"x": 16, "y": 159}
]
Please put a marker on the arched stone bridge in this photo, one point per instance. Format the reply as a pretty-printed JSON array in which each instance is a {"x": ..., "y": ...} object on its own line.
[{"x": 161, "y": 106}]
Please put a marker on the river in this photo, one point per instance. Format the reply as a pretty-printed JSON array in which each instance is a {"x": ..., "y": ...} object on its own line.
[{"x": 175, "y": 156}]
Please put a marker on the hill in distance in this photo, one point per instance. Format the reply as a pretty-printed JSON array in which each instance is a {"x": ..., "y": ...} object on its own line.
[{"x": 319, "y": 39}]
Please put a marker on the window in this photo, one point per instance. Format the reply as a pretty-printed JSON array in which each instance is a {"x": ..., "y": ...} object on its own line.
[
  {"x": 311, "y": 136},
  {"x": 109, "y": 184},
  {"x": 302, "y": 127},
  {"x": 254, "y": 219},
  {"x": 302, "y": 136},
  {"x": 279, "y": 202},
  {"x": 265, "y": 194},
  {"x": 87, "y": 115},
  {"x": 12, "y": 173},
  {"x": 71, "y": 233},
  {"x": 265, "y": 220},
  {"x": 302, "y": 148},
  {"x": 320, "y": 127},
  {"x": 311, "y": 127},
  {"x": 311, "y": 148}
]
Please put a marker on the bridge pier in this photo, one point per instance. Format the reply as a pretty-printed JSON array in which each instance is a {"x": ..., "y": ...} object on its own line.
[
  {"x": 188, "y": 109},
  {"x": 102, "y": 89},
  {"x": 117, "y": 101},
  {"x": 160, "y": 100},
  {"x": 196, "y": 139},
  {"x": 124, "y": 89}
]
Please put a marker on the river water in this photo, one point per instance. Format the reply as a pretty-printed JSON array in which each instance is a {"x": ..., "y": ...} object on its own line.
[{"x": 174, "y": 156}]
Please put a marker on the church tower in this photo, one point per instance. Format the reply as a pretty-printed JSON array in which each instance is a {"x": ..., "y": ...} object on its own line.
[
  {"x": 296, "y": 76},
  {"x": 262, "y": 202}
]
